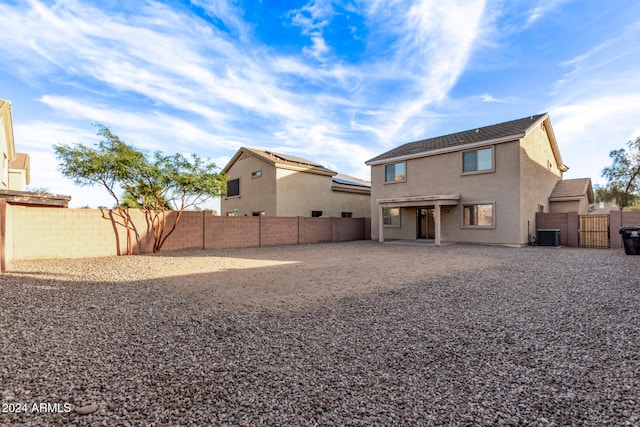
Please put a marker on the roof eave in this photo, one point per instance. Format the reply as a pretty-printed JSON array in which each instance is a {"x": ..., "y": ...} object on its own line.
[
  {"x": 351, "y": 189},
  {"x": 8, "y": 128},
  {"x": 546, "y": 121},
  {"x": 246, "y": 150},
  {"x": 308, "y": 169},
  {"x": 453, "y": 149}
]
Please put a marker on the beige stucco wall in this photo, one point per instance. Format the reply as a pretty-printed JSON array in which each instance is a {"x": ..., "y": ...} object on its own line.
[
  {"x": 540, "y": 173},
  {"x": 286, "y": 192},
  {"x": 256, "y": 194},
  {"x": 300, "y": 193},
  {"x": 6, "y": 146},
  {"x": 516, "y": 185},
  {"x": 442, "y": 175},
  {"x": 581, "y": 206},
  {"x": 18, "y": 179},
  {"x": 358, "y": 204}
]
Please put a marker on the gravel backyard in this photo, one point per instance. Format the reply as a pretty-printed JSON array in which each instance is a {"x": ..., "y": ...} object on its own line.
[{"x": 355, "y": 333}]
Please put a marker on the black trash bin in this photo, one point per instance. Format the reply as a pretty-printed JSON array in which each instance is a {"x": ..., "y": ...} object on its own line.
[{"x": 630, "y": 239}]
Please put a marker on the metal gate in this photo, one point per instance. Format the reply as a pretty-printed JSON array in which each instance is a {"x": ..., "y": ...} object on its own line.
[{"x": 593, "y": 231}]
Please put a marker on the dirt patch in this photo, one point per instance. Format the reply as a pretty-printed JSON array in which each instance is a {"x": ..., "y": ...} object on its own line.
[
  {"x": 280, "y": 278},
  {"x": 293, "y": 277}
]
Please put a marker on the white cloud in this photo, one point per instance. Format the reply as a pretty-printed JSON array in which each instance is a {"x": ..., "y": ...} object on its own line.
[
  {"x": 485, "y": 97},
  {"x": 162, "y": 78},
  {"x": 542, "y": 8},
  {"x": 597, "y": 103},
  {"x": 589, "y": 130}
]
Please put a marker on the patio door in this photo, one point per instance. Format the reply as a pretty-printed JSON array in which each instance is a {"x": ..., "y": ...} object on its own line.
[{"x": 426, "y": 224}]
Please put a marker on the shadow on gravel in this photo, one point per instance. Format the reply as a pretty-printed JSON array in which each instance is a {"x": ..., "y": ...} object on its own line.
[{"x": 533, "y": 337}]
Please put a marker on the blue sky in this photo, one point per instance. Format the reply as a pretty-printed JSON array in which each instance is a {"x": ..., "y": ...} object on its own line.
[{"x": 337, "y": 82}]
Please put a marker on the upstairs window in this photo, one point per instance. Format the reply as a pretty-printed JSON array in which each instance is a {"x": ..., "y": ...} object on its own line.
[
  {"x": 316, "y": 214},
  {"x": 233, "y": 187},
  {"x": 395, "y": 172},
  {"x": 347, "y": 214},
  {"x": 477, "y": 160}
]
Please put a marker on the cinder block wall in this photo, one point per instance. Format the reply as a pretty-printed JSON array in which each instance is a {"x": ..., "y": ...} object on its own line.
[
  {"x": 82, "y": 233},
  {"x": 223, "y": 232},
  {"x": 314, "y": 230},
  {"x": 345, "y": 229},
  {"x": 618, "y": 219},
  {"x": 278, "y": 230},
  {"x": 555, "y": 221},
  {"x": 68, "y": 233},
  {"x": 567, "y": 223}
]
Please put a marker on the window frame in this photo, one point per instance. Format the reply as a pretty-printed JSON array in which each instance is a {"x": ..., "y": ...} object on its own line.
[
  {"x": 478, "y": 171},
  {"x": 233, "y": 195},
  {"x": 475, "y": 226},
  {"x": 390, "y": 223},
  {"x": 256, "y": 174},
  {"x": 396, "y": 180},
  {"x": 316, "y": 214}
]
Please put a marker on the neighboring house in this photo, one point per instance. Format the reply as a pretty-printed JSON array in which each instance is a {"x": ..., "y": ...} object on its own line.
[
  {"x": 14, "y": 172},
  {"x": 603, "y": 208},
  {"x": 572, "y": 195},
  {"x": 267, "y": 183},
  {"x": 15, "y": 169},
  {"x": 482, "y": 185},
  {"x": 19, "y": 172}
]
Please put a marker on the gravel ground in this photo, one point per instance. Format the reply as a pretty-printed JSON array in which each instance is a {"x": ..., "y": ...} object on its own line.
[{"x": 464, "y": 335}]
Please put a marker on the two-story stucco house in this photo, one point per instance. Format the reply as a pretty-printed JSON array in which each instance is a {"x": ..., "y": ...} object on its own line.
[
  {"x": 14, "y": 167},
  {"x": 266, "y": 183},
  {"x": 482, "y": 185}
]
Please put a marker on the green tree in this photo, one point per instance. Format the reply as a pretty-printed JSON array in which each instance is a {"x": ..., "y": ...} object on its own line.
[
  {"x": 130, "y": 201},
  {"x": 39, "y": 190},
  {"x": 623, "y": 176},
  {"x": 173, "y": 183},
  {"x": 108, "y": 163},
  {"x": 157, "y": 185}
]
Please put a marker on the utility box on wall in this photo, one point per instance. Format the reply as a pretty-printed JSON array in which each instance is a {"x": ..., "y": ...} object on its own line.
[{"x": 549, "y": 237}]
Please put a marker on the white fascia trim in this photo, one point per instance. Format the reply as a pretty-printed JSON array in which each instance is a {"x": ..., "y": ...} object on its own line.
[
  {"x": 567, "y": 198},
  {"x": 307, "y": 169},
  {"x": 410, "y": 199},
  {"x": 463, "y": 147}
]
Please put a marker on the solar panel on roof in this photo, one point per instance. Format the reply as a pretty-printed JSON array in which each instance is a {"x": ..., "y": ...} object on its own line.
[
  {"x": 295, "y": 159},
  {"x": 348, "y": 182}
]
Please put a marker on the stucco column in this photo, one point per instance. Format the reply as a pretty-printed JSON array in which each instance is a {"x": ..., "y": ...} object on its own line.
[
  {"x": 438, "y": 228},
  {"x": 380, "y": 224}
]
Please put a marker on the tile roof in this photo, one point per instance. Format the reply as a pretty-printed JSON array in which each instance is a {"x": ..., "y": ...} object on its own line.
[
  {"x": 515, "y": 128},
  {"x": 572, "y": 188},
  {"x": 282, "y": 160}
]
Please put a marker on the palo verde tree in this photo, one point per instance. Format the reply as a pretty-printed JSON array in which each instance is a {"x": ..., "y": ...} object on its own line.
[
  {"x": 108, "y": 163},
  {"x": 159, "y": 183},
  {"x": 623, "y": 176},
  {"x": 173, "y": 183}
]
